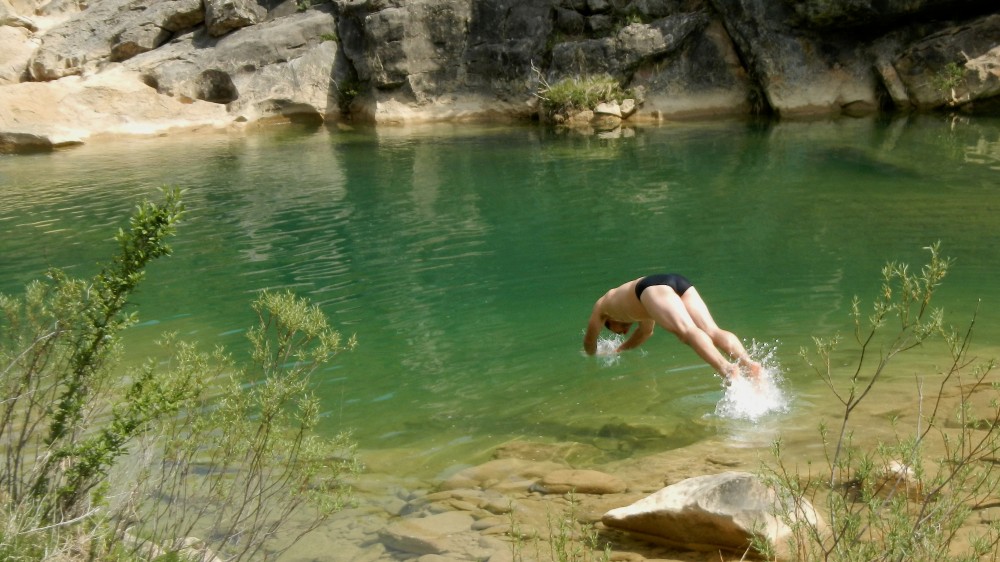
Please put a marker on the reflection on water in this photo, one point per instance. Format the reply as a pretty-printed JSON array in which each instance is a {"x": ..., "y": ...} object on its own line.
[{"x": 466, "y": 260}]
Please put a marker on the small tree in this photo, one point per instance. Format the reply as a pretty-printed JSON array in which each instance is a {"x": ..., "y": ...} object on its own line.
[
  {"x": 234, "y": 461},
  {"x": 60, "y": 344},
  {"x": 909, "y": 497}
]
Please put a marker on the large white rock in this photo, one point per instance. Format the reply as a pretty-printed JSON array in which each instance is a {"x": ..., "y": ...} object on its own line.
[
  {"x": 720, "y": 511},
  {"x": 608, "y": 108},
  {"x": 42, "y": 116}
]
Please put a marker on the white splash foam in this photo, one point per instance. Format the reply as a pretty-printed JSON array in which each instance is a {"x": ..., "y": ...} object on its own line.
[
  {"x": 607, "y": 347},
  {"x": 747, "y": 399}
]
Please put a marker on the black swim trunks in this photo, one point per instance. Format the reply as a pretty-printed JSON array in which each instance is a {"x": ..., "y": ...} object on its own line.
[{"x": 678, "y": 283}]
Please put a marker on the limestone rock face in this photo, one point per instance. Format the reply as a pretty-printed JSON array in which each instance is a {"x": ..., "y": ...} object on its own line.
[
  {"x": 711, "y": 512},
  {"x": 799, "y": 71},
  {"x": 16, "y": 48},
  {"x": 42, "y": 116},
  {"x": 280, "y": 67},
  {"x": 823, "y": 13},
  {"x": 445, "y": 58},
  {"x": 223, "y": 16},
  {"x": 924, "y": 69},
  {"x": 815, "y": 56},
  {"x": 122, "y": 27},
  {"x": 393, "y": 61},
  {"x": 10, "y": 16}
]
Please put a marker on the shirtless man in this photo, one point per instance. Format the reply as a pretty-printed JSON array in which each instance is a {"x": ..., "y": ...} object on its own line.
[{"x": 672, "y": 302}]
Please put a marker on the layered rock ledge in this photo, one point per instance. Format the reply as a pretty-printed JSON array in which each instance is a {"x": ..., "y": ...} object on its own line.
[{"x": 70, "y": 71}]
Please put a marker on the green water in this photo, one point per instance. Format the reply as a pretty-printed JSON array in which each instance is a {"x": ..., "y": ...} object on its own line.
[{"x": 466, "y": 259}]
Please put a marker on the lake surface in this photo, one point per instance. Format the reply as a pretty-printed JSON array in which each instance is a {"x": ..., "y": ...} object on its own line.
[{"x": 466, "y": 259}]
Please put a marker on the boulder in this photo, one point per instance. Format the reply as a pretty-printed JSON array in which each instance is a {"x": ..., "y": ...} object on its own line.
[
  {"x": 627, "y": 108},
  {"x": 426, "y": 535},
  {"x": 223, "y": 16},
  {"x": 639, "y": 43},
  {"x": 609, "y": 108},
  {"x": 445, "y": 536},
  {"x": 897, "y": 477},
  {"x": 713, "y": 512},
  {"x": 705, "y": 77},
  {"x": 131, "y": 41},
  {"x": 936, "y": 70},
  {"x": 394, "y": 61}
]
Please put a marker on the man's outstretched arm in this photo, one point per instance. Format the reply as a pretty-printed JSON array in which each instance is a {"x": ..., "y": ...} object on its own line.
[
  {"x": 641, "y": 334},
  {"x": 593, "y": 330}
]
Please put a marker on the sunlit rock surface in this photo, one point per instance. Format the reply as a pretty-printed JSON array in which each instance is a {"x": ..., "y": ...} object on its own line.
[{"x": 396, "y": 61}]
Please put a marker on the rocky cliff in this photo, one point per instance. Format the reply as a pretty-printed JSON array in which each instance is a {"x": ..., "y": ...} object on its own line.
[{"x": 73, "y": 69}]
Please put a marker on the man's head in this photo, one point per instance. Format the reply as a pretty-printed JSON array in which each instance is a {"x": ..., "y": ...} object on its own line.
[{"x": 620, "y": 328}]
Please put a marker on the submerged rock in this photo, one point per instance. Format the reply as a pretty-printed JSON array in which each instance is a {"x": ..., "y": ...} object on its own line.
[
  {"x": 506, "y": 473},
  {"x": 580, "y": 482}
]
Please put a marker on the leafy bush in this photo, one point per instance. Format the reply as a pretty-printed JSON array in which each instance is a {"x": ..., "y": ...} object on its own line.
[
  {"x": 101, "y": 462},
  {"x": 579, "y": 93},
  {"x": 948, "y": 80},
  {"x": 909, "y": 497}
]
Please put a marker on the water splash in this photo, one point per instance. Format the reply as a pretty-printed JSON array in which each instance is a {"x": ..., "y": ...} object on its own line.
[
  {"x": 607, "y": 346},
  {"x": 751, "y": 400}
]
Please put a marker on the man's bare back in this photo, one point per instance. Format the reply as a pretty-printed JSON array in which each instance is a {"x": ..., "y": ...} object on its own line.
[{"x": 620, "y": 304}]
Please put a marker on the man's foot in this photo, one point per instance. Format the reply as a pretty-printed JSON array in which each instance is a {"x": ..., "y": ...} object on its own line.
[
  {"x": 753, "y": 368},
  {"x": 732, "y": 371}
]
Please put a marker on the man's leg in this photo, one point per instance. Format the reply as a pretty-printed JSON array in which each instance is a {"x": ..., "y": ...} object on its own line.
[
  {"x": 671, "y": 314},
  {"x": 723, "y": 339}
]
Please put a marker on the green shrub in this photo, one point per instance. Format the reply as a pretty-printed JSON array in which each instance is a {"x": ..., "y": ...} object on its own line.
[
  {"x": 107, "y": 463},
  {"x": 580, "y": 93},
  {"x": 908, "y": 497},
  {"x": 949, "y": 77},
  {"x": 246, "y": 463},
  {"x": 63, "y": 425}
]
